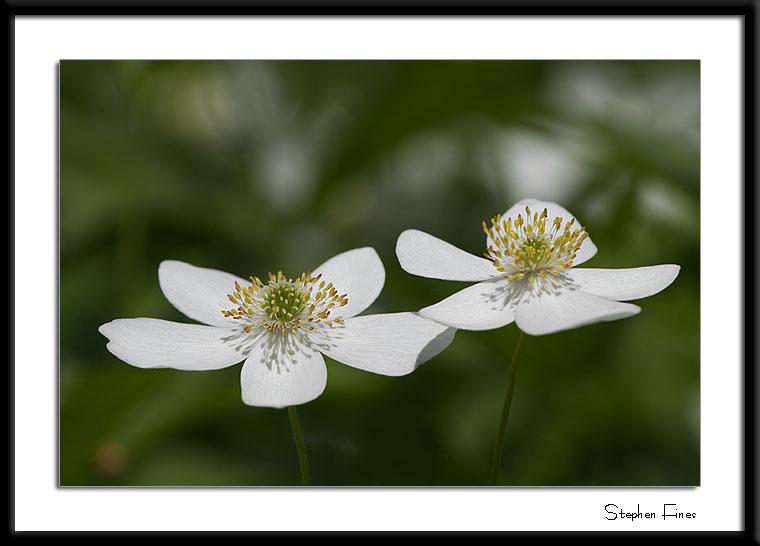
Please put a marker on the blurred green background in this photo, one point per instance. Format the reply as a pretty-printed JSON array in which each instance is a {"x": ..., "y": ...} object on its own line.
[{"x": 256, "y": 166}]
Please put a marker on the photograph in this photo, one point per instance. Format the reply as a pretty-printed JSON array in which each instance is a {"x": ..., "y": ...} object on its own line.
[{"x": 379, "y": 273}]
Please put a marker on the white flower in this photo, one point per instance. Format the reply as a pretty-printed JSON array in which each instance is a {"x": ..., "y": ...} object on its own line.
[
  {"x": 529, "y": 276},
  {"x": 280, "y": 328}
]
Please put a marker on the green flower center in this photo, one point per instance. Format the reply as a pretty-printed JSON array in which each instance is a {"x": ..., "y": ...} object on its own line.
[
  {"x": 534, "y": 251},
  {"x": 284, "y": 301}
]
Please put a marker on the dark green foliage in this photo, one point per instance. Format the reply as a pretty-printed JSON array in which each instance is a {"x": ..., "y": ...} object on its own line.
[{"x": 252, "y": 167}]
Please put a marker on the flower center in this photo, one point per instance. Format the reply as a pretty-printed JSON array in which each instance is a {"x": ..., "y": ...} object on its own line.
[
  {"x": 526, "y": 248},
  {"x": 284, "y": 301},
  {"x": 285, "y": 305}
]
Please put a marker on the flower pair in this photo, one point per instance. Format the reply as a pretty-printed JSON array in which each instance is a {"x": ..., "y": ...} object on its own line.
[{"x": 282, "y": 326}]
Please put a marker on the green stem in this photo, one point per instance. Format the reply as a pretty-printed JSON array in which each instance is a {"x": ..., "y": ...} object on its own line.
[
  {"x": 498, "y": 448},
  {"x": 303, "y": 458}
]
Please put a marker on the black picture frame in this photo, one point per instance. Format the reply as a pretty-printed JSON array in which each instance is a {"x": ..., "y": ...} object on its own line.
[{"x": 746, "y": 9}]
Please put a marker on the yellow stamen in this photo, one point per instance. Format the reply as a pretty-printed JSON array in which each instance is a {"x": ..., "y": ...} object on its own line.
[
  {"x": 522, "y": 247},
  {"x": 284, "y": 305}
]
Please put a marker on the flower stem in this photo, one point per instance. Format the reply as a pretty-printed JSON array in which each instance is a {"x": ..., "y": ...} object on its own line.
[
  {"x": 303, "y": 458},
  {"x": 498, "y": 448}
]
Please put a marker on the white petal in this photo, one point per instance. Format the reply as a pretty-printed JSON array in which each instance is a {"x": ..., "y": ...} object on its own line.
[
  {"x": 483, "y": 306},
  {"x": 587, "y": 249},
  {"x": 389, "y": 344},
  {"x": 280, "y": 373},
  {"x": 154, "y": 343},
  {"x": 547, "y": 313},
  {"x": 199, "y": 293},
  {"x": 359, "y": 273},
  {"x": 625, "y": 284},
  {"x": 422, "y": 254}
]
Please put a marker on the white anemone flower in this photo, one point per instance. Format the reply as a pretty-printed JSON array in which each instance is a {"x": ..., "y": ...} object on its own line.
[
  {"x": 280, "y": 328},
  {"x": 530, "y": 274}
]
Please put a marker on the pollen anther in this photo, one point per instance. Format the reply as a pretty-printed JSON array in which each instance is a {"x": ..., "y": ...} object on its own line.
[
  {"x": 284, "y": 305},
  {"x": 523, "y": 247}
]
